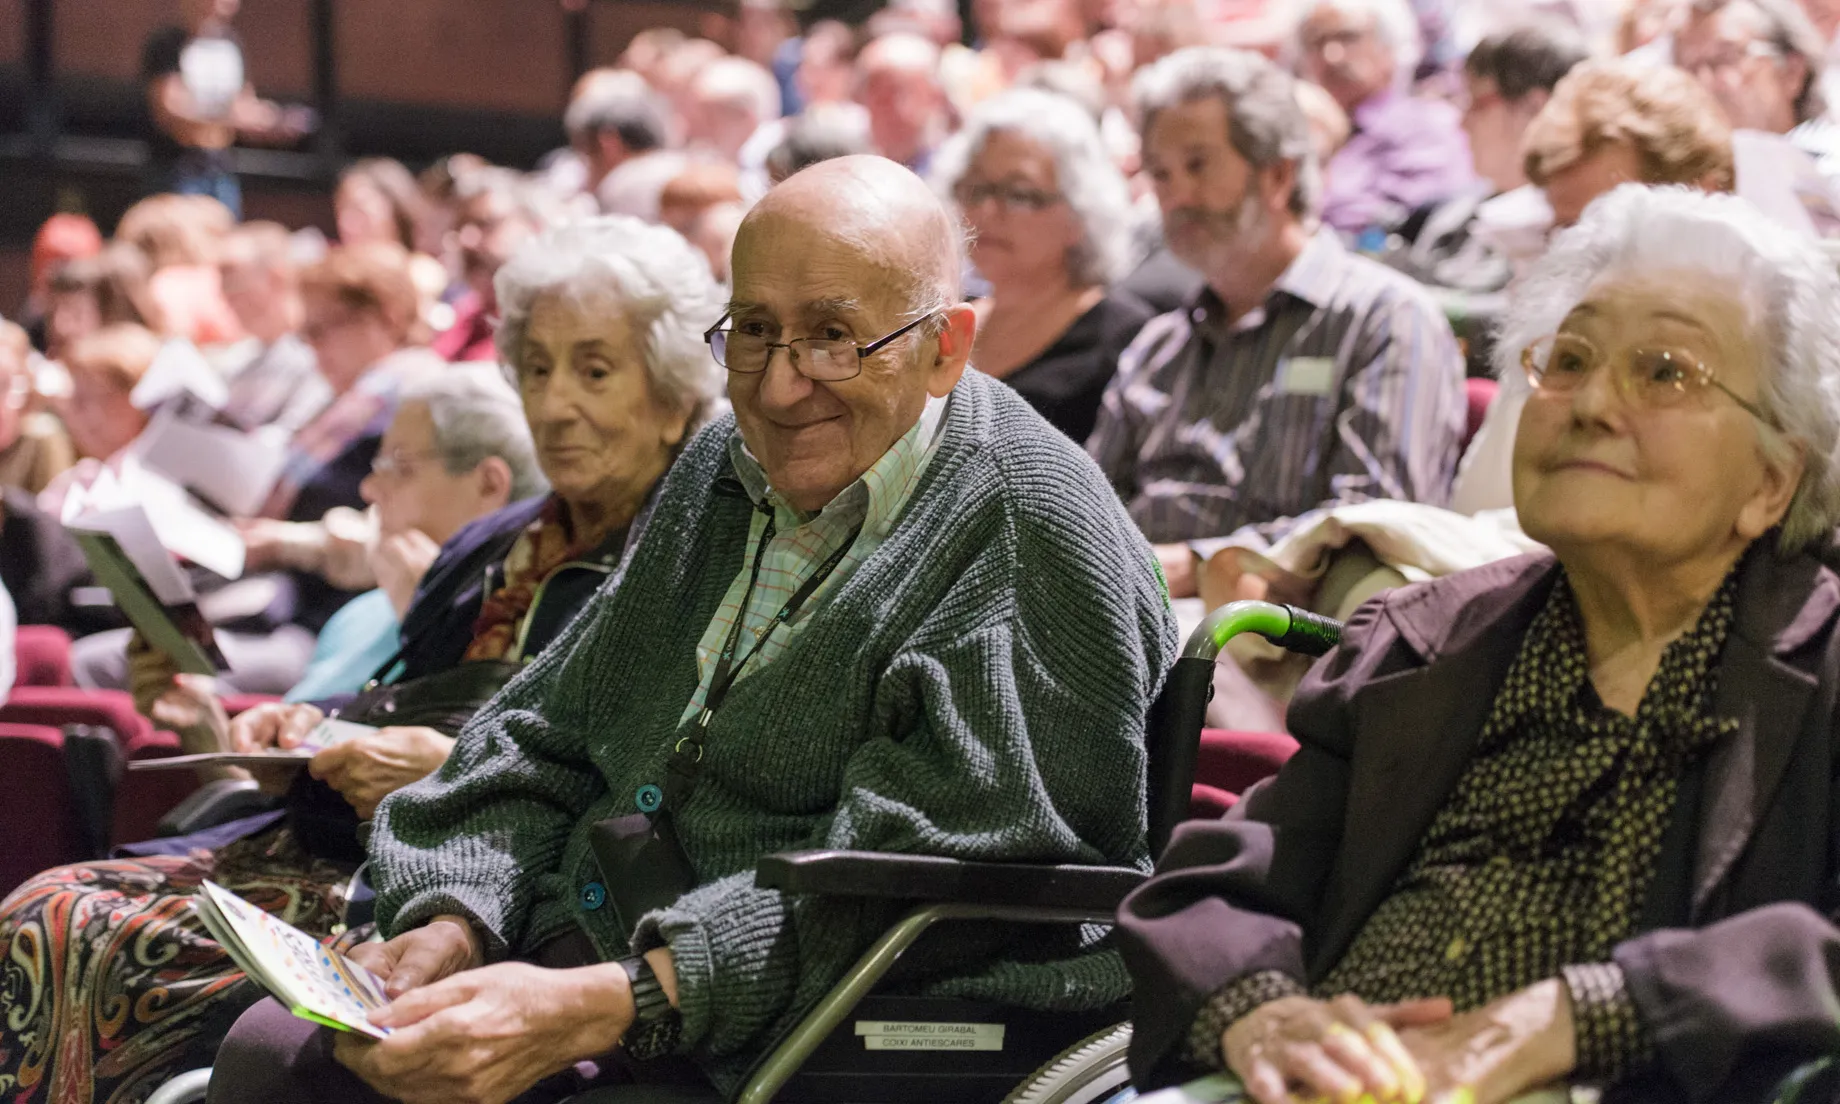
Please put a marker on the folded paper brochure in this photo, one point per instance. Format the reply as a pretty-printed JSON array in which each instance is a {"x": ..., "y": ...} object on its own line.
[
  {"x": 315, "y": 982},
  {"x": 328, "y": 732}
]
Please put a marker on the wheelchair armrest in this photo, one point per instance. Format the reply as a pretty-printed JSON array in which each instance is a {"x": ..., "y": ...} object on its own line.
[
  {"x": 217, "y": 802},
  {"x": 946, "y": 881}
]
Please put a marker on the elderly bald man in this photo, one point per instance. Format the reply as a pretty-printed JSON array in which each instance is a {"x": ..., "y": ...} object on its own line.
[{"x": 883, "y": 606}]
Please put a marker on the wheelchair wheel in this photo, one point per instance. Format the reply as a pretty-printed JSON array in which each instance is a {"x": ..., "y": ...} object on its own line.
[{"x": 1091, "y": 1071}]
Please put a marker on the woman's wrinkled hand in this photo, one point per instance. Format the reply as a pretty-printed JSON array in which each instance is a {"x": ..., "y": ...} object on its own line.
[
  {"x": 274, "y": 725},
  {"x": 1340, "y": 1050},
  {"x": 191, "y": 707},
  {"x": 151, "y": 673},
  {"x": 348, "y": 537},
  {"x": 366, "y": 769},
  {"x": 399, "y": 562},
  {"x": 1502, "y": 1050},
  {"x": 487, "y": 1035}
]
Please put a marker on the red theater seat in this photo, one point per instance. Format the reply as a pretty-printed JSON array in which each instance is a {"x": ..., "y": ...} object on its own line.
[
  {"x": 42, "y": 653},
  {"x": 39, "y": 824}
]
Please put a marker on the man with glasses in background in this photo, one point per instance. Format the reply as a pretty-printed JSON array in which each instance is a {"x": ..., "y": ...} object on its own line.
[{"x": 884, "y": 607}]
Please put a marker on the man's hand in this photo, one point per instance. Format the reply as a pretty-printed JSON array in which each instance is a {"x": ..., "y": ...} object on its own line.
[
  {"x": 1178, "y": 563},
  {"x": 399, "y": 561},
  {"x": 1499, "y": 1051},
  {"x": 366, "y": 769},
  {"x": 1224, "y": 579},
  {"x": 422, "y": 956},
  {"x": 487, "y": 1035},
  {"x": 1339, "y": 1050}
]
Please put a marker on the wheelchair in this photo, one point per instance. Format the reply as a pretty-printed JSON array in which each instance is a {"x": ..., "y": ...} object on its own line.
[{"x": 858, "y": 1046}]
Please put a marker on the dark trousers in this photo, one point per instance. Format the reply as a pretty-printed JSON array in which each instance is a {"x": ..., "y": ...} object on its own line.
[{"x": 272, "y": 1056}]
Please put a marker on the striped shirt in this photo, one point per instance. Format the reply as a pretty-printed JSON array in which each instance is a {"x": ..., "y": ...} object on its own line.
[
  {"x": 1345, "y": 384},
  {"x": 802, "y": 542}
]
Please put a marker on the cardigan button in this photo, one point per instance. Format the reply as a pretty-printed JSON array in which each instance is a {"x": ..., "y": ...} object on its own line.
[
  {"x": 593, "y": 896},
  {"x": 649, "y": 798}
]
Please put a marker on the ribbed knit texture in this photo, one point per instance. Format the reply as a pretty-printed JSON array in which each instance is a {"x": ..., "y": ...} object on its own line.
[{"x": 977, "y": 689}]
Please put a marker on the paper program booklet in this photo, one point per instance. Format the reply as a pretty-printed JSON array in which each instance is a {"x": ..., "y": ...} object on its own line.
[
  {"x": 316, "y": 983},
  {"x": 328, "y": 732},
  {"x": 126, "y": 556}
]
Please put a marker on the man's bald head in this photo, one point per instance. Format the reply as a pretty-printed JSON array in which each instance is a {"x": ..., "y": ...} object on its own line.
[
  {"x": 881, "y": 210},
  {"x": 846, "y": 315}
]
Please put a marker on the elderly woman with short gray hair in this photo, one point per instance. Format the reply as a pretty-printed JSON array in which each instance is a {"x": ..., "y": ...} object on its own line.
[
  {"x": 602, "y": 337},
  {"x": 1050, "y": 222},
  {"x": 1568, "y": 818}
]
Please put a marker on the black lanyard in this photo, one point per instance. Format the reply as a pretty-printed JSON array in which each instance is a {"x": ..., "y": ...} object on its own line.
[{"x": 688, "y": 754}]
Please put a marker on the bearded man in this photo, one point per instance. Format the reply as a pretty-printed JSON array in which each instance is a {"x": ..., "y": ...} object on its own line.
[{"x": 1300, "y": 376}]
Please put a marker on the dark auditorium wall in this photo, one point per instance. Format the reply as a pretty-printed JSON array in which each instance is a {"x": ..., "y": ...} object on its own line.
[{"x": 414, "y": 79}]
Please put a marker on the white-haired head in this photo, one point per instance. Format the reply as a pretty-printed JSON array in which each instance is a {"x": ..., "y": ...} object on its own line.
[
  {"x": 1788, "y": 285},
  {"x": 477, "y": 415},
  {"x": 1083, "y": 172},
  {"x": 645, "y": 273},
  {"x": 740, "y": 83},
  {"x": 1392, "y": 21}
]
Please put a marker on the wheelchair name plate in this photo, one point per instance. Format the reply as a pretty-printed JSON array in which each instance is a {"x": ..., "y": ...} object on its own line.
[{"x": 885, "y": 1035}]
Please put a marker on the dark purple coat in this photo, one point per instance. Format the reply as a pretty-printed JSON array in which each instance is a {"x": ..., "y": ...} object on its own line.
[{"x": 1734, "y": 972}]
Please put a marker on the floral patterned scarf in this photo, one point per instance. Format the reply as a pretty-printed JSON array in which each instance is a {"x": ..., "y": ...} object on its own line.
[{"x": 542, "y": 548}]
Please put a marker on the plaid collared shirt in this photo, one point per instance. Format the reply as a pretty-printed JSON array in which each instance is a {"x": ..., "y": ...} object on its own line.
[
  {"x": 1345, "y": 384},
  {"x": 802, "y": 542}
]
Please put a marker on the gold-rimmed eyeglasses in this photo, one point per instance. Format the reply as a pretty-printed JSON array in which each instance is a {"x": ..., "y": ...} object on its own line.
[{"x": 1649, "y": 377}]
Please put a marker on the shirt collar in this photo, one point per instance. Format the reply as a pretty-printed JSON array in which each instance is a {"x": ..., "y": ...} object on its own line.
[
  {"x": 1311, "y": 277},
  {"x": 877, "y": 496}
]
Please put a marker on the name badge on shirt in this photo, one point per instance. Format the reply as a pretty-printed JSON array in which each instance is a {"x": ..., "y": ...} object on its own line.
[{"x": 1306, "y": 376}]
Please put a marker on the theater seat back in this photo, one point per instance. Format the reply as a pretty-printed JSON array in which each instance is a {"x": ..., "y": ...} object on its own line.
[{"x": 40, "y": 829}]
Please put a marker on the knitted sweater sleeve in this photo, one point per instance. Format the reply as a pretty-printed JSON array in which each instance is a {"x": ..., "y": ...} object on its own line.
[
  {"x": 474, "y": 837},
  {"x": 1010, "y": 728}
]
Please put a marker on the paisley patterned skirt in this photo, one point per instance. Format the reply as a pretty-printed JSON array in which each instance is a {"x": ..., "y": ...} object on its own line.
[{"x": 109, "y": 985}]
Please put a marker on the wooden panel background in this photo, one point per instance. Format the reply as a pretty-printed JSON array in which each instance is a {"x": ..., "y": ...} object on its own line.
[
  {"x": 103, "y": 39},
  {"x": 12, "y": 34},
  {"x": 492, "y": 55},
  {"x": 612, "y": 24}
]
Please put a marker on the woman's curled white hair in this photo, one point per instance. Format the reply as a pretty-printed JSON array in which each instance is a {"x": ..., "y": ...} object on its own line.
[
  {"x": 650, "y": 274},
  {"x": 1788, "y": 284},
  {"x": 1083, "y": 172}
]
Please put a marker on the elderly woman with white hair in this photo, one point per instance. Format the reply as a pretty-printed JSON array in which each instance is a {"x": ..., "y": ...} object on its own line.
[
  {"x": 602, "y": 338},
  {"x": 1571, "y": 817},
  {"x": 1050, "y": 222}
]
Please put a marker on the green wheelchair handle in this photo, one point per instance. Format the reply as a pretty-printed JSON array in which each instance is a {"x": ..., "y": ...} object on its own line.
[
  {"x": 1288, "y": 627},
  {"x": 1173, "y": 735}
]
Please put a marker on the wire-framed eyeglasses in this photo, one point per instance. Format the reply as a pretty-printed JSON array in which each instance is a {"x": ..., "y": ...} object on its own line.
[
  {"x": 815, "y": 358},
  {"x": 1649, "y": 377}
]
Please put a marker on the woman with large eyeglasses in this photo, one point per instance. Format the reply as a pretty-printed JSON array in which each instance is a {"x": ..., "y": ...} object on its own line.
[
  {"x": 1048, "y": 215},
  {"x": 1568, "y": 818}
]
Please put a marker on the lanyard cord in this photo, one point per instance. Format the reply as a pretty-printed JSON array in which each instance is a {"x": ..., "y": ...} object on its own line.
[{"x": 687, "y": 756}]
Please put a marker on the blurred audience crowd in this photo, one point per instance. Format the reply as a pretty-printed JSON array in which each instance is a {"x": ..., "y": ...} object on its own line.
[{"x": 1250, "y": 255}]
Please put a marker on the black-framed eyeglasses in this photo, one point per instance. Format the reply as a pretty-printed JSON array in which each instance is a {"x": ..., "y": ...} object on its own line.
[{"x": 812, "y": 357}]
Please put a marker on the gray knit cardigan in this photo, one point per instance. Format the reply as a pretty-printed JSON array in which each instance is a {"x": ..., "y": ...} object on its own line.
[{"x": 977, "y": 688}]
